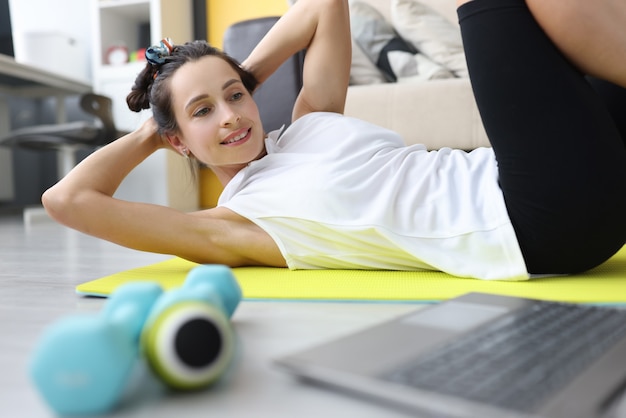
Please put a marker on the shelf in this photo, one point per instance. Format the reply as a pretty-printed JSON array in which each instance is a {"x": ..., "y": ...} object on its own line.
[
  {"x": 124, "y": 23},
  {"x": 132, "y": 9},
  {"x": 118, "y": 3},
  {"x": 127, "y": 5},
  {"x": 122, "y": 71},
  {"x": 136, "y": 24}
]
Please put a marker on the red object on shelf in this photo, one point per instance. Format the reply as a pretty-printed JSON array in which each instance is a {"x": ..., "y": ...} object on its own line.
[{"x": 141, "y": 54}]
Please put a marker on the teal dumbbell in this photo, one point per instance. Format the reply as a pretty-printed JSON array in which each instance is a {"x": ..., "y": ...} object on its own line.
[{"x": 83, "y": 364}]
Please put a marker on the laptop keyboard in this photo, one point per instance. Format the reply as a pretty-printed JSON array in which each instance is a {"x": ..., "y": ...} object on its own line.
[{"x": 519, "y": 360}]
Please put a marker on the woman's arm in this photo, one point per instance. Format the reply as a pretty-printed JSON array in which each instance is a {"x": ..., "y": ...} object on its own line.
[
  {"x": 323, "y": 28},
  {"x": 83, "y": 201}
]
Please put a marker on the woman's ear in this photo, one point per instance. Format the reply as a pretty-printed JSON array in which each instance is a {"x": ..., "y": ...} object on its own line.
[{"x": 177, "y": 144}]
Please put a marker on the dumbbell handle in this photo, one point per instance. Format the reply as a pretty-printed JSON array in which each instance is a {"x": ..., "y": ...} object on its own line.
[
  {"x": 130, "y": 305},
  {"x": 216, "y": 280},
  {"x": 211, "y": 283}
]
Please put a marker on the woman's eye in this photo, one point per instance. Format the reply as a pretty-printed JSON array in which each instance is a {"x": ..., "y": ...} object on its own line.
[
  {"x": 202, "y": 112},
  {"x": 237, "y": 96}
]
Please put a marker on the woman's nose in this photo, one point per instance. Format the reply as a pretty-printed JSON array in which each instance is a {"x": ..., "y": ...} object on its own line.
[{"x": 230, "y": 116}]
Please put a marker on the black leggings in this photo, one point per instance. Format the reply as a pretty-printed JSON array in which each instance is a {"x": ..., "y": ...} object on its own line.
[{"x": 558, "y": 141}]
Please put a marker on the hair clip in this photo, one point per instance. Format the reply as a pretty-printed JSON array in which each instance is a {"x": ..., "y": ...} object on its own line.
[{"x": 156, "y": 54}]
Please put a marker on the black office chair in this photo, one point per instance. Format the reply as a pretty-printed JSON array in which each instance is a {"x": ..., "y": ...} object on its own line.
[
  {"x": 278, "y": 93},
  {"x": 67, "y": 138}
]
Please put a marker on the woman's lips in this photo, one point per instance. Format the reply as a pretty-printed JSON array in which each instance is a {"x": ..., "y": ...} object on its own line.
[{"x": 237, "y": 138}]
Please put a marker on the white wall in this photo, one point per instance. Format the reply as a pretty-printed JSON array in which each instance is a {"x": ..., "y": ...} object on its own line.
[{"x": 60, "y": 21}]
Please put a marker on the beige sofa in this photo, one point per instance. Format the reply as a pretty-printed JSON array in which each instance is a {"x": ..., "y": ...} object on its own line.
[{"x": 436, "y": 113}]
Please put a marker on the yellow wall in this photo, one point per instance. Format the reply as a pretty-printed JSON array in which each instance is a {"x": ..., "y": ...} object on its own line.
[{"x": 223, "y": 13}]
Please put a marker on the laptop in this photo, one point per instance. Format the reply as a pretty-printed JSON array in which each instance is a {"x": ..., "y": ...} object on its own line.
[{"x": 482, "y": 355}]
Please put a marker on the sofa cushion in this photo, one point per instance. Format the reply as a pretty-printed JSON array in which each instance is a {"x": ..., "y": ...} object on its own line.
[
  {"x": 416, "y": 68},
  {"x": 430, "y": 33},
  {"x": 395, "y": 57},
  {"x": 363, "y": 70}
]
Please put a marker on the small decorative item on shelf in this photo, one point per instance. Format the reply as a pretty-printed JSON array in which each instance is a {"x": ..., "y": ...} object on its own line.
[
  {"x": 138, "y": 56},
  {"x": 117, "y": 55}
]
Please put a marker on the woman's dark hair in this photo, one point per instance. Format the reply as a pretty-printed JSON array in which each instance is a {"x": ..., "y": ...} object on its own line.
[{"x": 151, "y": 90}]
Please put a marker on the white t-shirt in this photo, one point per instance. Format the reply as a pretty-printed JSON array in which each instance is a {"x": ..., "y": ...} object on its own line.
[{"x": 340, "y": 193}]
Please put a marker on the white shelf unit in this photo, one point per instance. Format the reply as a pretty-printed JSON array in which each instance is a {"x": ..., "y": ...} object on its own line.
[{"x": 163, "y": 178}]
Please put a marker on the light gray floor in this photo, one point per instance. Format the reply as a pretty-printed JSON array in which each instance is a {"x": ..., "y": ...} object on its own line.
[{"x": 41, "y": 264}]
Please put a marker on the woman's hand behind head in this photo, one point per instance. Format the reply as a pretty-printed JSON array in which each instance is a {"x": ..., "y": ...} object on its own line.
[{"x": 150, "y": 129}]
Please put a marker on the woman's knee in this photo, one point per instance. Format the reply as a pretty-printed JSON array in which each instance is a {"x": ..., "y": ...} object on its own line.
[{"x": 597, "y": 44}]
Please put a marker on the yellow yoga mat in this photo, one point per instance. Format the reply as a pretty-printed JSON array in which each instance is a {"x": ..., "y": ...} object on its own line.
[{"x": 604, "y": 284}]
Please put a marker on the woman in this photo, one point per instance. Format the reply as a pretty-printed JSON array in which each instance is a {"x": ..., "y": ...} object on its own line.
[{"x": 336, "y": 192}]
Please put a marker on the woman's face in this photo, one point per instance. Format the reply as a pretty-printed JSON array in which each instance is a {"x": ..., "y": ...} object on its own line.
[{"x": 217, "y": 118}]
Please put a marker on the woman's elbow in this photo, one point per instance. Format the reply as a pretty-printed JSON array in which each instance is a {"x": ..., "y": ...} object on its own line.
[{"x": 57, "y": 204}]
